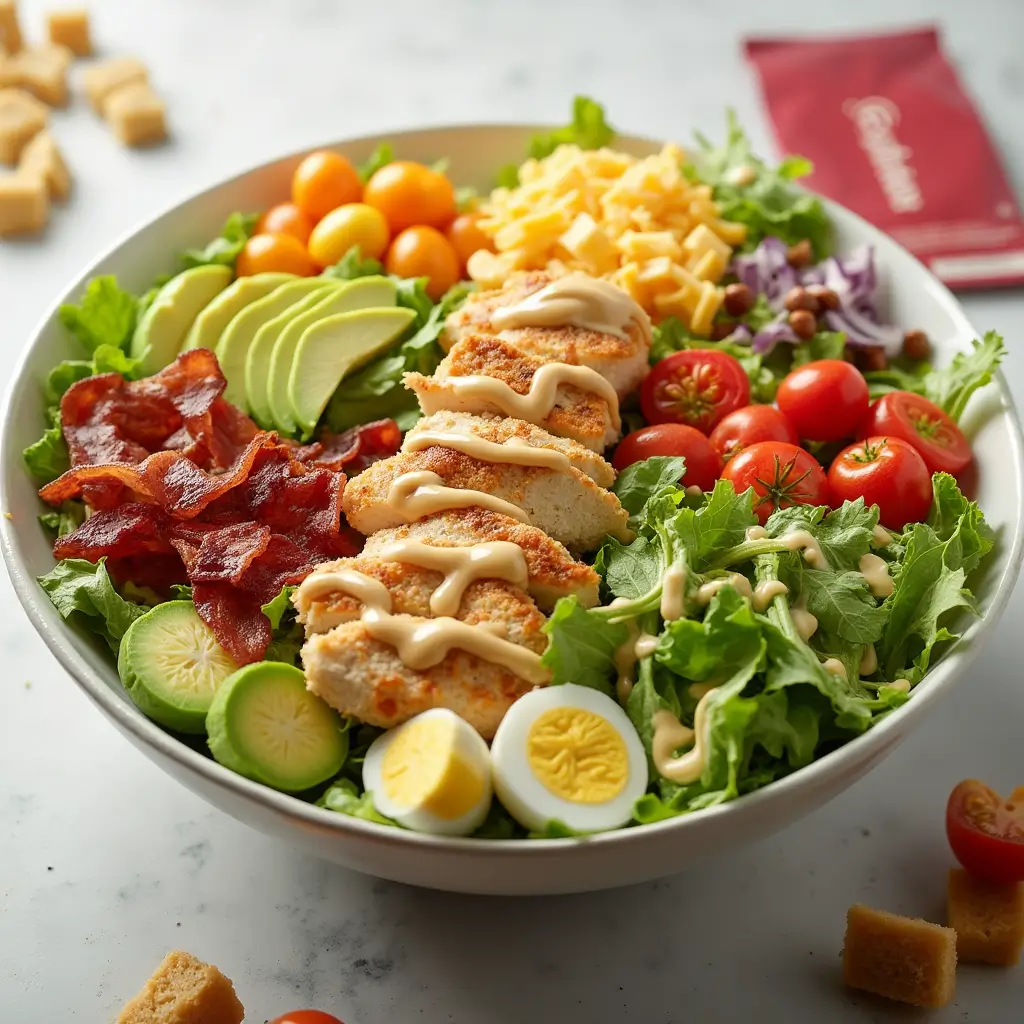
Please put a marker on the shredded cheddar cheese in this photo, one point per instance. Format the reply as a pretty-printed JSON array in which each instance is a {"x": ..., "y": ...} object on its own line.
[{"x": 638, "y": 222}]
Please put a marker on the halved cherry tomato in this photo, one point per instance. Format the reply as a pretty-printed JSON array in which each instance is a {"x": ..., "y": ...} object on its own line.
[
  {"x": 986, "y": 832},
  {"x": 466, "y": 237},
  {"x": 886, "y": 472},
  {"x": 324, "y": 181},
  {"x": 408, "y": 193},
  {"x": 349, "y": 225},
  {"x": 702, "y": 463},
  {"x": 749, "y": 425},
  {"x": 424, "y": 252},
  {"x": 698, "y": 387},
  {"x": 826, "y": 400},
  {"x": 306, "y": 1017},
  {"x": 285, "y": 219},
  {"x": 282, "y": 253},
  {"x": 924, "y": 425},
  {"x": 781, "y": 475}
]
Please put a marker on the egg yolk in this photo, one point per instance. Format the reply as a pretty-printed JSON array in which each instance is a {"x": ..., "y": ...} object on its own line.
[
  {"x": 577, "y": 755},
  {"x": 422, "y": 769}
]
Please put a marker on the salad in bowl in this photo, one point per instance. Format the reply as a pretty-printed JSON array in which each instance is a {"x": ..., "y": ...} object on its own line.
[{"x": 602, "y": 497}]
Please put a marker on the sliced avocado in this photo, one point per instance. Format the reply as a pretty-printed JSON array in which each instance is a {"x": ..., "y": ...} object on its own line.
[
  {"x": 210, "y": 324},
  {"x": 331, "y": 349},
  {"x": 234, "y": 343},
  {"x": 364, "y": 293},
  {"x": 161, "y": 331}
]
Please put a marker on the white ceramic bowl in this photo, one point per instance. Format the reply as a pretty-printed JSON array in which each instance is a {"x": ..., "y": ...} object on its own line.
[{"x": 511, "y": 867}]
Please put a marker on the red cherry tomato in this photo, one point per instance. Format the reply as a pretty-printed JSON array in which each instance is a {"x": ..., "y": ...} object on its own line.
[
  {"x": 697, "y": 387},
  {"x": 986, "y": 832},
  {"x": 702, "y": 464},
  {"x": 924, "y": 425},
  {"x": 306, "y": 1017},
  {"x": 749, "y": 425},
  {"x": 825, "y": 401},
  {"x": 781, "y": 475},
  {"x": 886, "y": 472}
]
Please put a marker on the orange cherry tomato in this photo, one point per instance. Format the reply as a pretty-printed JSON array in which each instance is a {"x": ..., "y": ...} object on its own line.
[
  {"x": 349, "y": 225},
  {"x": 285, "y": 219},
  {"x": 281, "y": 253},
  {"x": 424, "y": 252},
  {"x": 408, "y": 193},
  {"x": 324, "y": 181},
  {"x": 466, "y": 237}
]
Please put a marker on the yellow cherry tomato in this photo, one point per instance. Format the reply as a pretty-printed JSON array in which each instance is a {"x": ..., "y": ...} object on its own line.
[
  {"x": 408, "y": 193},
  {"x": 348, "y": 225},
  {"x": 424, "y": 252},
  {"x": 285, "y": 219},
  {"x": 466, "y": 237},
  {"x": 281, "y": 253},
  {"x": 324, "y": 181}
]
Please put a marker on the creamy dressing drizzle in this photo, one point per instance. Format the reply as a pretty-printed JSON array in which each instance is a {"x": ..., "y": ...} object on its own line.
[
  {"x": 416, "y": 495},
  {"x": 804, "y": 622},
  {"x": 875, "y": 571},
  {"x": 868, "y": 660},
  {"x": 514, "y": 452},
  {"x": 536, "y": 405},
  {"x": 756, "y": 533},
  {"x": 766, "y": 592},
  {"x": 576, "y": 300},
  {"x": 880, "y": 537},
  {"x": 673, "y": 589},
  {"x": 813, "y": 555},
  {"x": 835, "y": 666},
  {"x": 670, "y": 734},
  {"x": 706, "y": 591}
]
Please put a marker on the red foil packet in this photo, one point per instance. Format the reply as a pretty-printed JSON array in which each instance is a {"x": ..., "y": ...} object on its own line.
[{"x": 894, "y": 137}]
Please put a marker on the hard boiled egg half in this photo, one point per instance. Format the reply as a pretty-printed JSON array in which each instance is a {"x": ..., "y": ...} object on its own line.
[
  {"x": 431, "y": 774},
  {"x": 568, "y": 753}
]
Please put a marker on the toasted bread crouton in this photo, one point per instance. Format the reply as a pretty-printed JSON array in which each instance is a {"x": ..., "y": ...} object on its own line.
[
  {"x": 900, "y": 958},
  {"x": 42, "y": 158},
  {"x": 988, "y": 918},
  {"x": 184, "y": 990}
]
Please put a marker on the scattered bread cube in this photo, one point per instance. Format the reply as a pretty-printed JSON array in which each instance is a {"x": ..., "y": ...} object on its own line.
[
  {"x": 136, "y": 115},
  {"x": 10, "y": 30},
  {"x": 103, "y": 79},
  {"x": 184, "y": 990},
  {"x": 22, "y": 116},
  {"x": 988, "y": 919},
  {"x": 41, "y": 70},
  {"x": 70, "y": 28},
  {"x": 42, "y": 158},
  {"x": 900, "y": 958},
  {"x": 24, "y": 204}
]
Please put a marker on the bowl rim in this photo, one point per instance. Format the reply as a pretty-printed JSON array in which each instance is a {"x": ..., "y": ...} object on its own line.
[{"x": 144, "y": 731}]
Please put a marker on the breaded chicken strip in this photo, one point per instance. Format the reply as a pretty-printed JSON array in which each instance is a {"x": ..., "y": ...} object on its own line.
[
  {"x": 501, "y": 429},
  {"x": 578, "y": 414},
  {"x": 621, "y": 361},
  {"x": 566, "y": 505}
]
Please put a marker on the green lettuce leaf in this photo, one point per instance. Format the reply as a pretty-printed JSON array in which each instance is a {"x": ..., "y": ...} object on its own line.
[
  {"x": 824, "y": 345},
  {"x": 352, "y": 265},
  {"x": 288, "y": 635},
  {"x": 383, "y": 155},
  {"x": 106, "y": 315},
  {"x": 720, "y": 523},
  {"x": 65, "y": 519},
  {"x": 844, "y": 534},
  {"x": 227, "y": 246},
  {"x": 582, "y": 645},
  {"x": 48, "y": 457},
  {"x": 638, "y": 483},
  {"x": 276, "y": 608},
  {"x": 951, "y": 388},
  {"x": 343, "y": 796},
  {"x": 630, "y": 570}
]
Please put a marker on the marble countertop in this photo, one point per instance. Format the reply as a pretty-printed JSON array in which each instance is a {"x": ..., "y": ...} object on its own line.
[{"x": 106, "y": 863}]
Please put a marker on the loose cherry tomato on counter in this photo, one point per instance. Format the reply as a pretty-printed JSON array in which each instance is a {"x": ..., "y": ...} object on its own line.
[
  {"x": 281, "y": 253},
  {"x": 349, "y": 225},
  {"x": 924, "y": 425},
  {"x": 408, "y": 193},
  {"x": 886, "y": 472},
  {"x": 826, "y": 400},
  {"x": 702, "y": 463},
  {"x": 781, "y": 475},
  {"x": 285, "y": 219},
  {"x": 424, "y": 252},
  {"x": 323, "y": 182},
  {"x": 697, "y": 387},
  {"x": 747, "y": 426},
  {"x": 986, "y": 832},
  {"x": 306, "y": 1017},
  {"x": 466, "y": 237}
]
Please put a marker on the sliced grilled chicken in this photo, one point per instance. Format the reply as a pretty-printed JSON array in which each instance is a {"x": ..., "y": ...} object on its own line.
[
  {"x": 581, "y": 415},
  {"x": 621, "y": 361},
  {"x": 567, "y": 505},
  {"x": 455, "y": 429}
]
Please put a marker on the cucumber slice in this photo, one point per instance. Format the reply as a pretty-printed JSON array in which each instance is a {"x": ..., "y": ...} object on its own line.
[
  {"x": 171, "y": 665},
  {"x": 265, "y": 725}
]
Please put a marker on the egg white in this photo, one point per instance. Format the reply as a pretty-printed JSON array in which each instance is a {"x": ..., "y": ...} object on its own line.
[
  {"x": 526, "y": 797},
  {"x": 466, "y": 743}
]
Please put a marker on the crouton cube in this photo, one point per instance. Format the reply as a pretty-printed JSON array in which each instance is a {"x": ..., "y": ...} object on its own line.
[
  {"x": 136, "y": 114},
  {"x": 70, "y": 28},
  {"x": 10, "y": 30},
  {"x": 988, "y": 919},
  {"x": 21, "y": 117},
  {"x": 102, "y": 79},
  {"x": 24, "y": 204},
  {"x": 41, "y": 70},
  {"x": 42, "y": 158},
  {"x": 184, "y": 990},
  {"x": 900, "y": 958}
]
